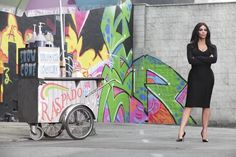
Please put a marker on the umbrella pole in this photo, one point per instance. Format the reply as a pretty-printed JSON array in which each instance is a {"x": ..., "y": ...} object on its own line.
[{"x": 63, "y": 64}]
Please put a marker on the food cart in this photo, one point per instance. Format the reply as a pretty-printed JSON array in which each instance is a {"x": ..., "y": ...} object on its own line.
[{"x": 50, "y": 103}]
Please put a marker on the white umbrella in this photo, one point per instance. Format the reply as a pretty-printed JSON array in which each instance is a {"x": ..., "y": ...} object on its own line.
[{"x": 33, "y": 8}]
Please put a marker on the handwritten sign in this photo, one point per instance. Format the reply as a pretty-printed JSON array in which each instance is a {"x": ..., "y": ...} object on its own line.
[
  {"x": 48, "y": 62},
  {"x": 28, "y": 62}
]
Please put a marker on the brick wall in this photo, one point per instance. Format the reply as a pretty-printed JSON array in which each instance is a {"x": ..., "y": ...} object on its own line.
[{"x": 163, "y": 31}]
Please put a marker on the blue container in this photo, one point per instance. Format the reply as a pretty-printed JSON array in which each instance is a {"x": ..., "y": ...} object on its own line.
[{"x": 93, "y": 4}]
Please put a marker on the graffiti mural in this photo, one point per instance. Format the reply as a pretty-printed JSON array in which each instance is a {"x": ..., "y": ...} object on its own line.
[
  {"x": 116, "y": 97},
  {"x": 160, "y": 89},
  {"x": 99, "y": 44},
  {"x": 85, "y": 43}
]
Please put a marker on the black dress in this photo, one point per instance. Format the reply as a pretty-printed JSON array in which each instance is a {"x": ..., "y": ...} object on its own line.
[{"x": 201, "y": 77}]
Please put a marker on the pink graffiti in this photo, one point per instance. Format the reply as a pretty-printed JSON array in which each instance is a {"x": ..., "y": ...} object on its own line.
[
  {"x": 80, "y": 18},
  {"x": 120, "y": 115},
  {"x": 181, "y": 97},
  {"x": 137, "y": 114},
  {"x": 117, "y": 91}
]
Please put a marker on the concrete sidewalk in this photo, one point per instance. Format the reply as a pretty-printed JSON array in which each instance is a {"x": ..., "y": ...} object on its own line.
[
  {"x": 131, "y": 140},
  {"x": 13, "y": 131}
]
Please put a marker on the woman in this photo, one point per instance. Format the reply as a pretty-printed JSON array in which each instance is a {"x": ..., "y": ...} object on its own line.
[{"x": 201, "y": 53}]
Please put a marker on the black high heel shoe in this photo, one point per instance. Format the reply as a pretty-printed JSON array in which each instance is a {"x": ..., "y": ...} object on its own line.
[
  {"x": 203, "y": 140},
  {"x": 182, "y": 138}
]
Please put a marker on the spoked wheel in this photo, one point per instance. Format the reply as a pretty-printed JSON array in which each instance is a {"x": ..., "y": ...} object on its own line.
[
  {"x": 52, "y": 130},
  {"x": 36, "y": 132},
  {"x": 79, "y": 123}
]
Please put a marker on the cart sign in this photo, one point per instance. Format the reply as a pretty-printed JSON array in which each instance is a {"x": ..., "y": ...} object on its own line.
[
  {"x": 55, "y": 96},
  {"x": 48, "y": 62},
  {"x": 27, "y": 63},
  {"x": 39, "y": 62}
]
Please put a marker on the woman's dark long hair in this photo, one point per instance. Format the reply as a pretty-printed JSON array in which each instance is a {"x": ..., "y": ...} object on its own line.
[{"x": 195, "y": 34}]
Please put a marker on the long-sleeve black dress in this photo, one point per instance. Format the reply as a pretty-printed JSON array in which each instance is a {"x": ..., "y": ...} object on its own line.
[{"x": 201, "y": 77}]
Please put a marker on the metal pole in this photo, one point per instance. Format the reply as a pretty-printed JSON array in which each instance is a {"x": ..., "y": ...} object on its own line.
[{"x": 62, "y": 42}]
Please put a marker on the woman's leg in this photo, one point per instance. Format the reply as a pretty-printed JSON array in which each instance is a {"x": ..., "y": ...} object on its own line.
[
  {"x": 205, "y": 120},
  {"x": 185, "y": 117}
]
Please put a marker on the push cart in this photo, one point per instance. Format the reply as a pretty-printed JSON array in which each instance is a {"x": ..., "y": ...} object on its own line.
[{"x": 50, "y": 103}]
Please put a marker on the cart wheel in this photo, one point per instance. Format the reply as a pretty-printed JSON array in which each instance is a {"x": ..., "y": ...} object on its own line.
[
  {"x": 52, "y": 130},
  {"x": 36, "y": 133},
  {"x": 79, "y": 123}
]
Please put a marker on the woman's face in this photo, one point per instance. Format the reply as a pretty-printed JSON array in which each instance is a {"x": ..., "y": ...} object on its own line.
[{"x": 202, "y": 32}]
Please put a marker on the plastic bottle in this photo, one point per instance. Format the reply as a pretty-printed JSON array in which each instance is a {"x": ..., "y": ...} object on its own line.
[
  {"x": 49, "y": 39},
  {"x": 40, "y": 40},
  {"x": 33, "y": 38}
]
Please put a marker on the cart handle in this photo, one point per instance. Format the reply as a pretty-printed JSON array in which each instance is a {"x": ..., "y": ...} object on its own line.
[{"x": 97, "y": 89}]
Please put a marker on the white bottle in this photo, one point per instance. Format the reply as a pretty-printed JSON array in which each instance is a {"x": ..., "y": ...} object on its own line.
[
  {"x": 40, "y": 40},
  {"x": 33, "y": 38},
  {"x": 49, "y": 39}
]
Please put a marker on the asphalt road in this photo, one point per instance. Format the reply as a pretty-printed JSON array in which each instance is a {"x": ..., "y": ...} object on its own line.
[{"x": 119, "y": 140}]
